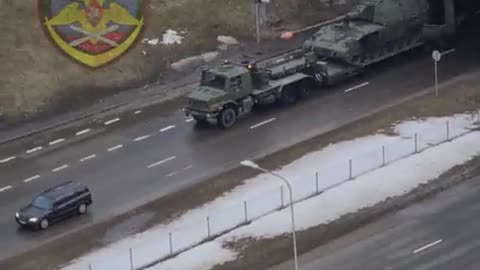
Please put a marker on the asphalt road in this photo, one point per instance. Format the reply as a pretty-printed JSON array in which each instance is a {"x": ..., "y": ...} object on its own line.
[
  {"x": 153, "y": 155},
  {"x": 442, "y": 234}
]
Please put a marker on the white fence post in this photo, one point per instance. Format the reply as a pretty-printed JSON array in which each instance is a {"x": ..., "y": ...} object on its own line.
[
  {"x": 350, "y": 170},
  {"x": 245, "y": 211},
  {"x": 131, "y": 259},
  {"x": 208, "y": 227},
  {"x": 170, "y": 243},
  {"x": 416, "y": 143},
  {"x": 383, "y": 156},
  {"x": 281, "y": 197},
  {"x": 448, "y": 130}
]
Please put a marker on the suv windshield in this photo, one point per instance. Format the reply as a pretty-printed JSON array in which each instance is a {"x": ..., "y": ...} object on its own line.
[
  {"x": 213, "y": 80},
  {"x": 42, "y": 202}
]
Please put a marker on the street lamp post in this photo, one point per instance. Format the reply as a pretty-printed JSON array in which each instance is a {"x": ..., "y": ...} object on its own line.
[
  {"x": 437, "y": 56},
  {"x": 253, "y": 165},
  {"x": 257, "y": 16}
]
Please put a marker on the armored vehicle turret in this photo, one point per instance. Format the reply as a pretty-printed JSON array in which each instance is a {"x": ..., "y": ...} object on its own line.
[{"x": 373, "y": 31}]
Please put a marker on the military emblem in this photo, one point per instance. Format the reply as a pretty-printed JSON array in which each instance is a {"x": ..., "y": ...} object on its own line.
[{"x": 94, "y": 32}]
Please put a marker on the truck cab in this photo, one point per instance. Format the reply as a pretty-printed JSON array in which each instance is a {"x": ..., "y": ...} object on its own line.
[{"x": 221, "y": 94}]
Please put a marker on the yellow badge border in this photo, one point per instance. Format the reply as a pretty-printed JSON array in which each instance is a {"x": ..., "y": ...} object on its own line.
[{"x": 96, "y": 60}]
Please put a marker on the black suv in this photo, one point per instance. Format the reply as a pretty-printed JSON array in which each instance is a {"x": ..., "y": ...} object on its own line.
[{"x": 55, "y": 204}]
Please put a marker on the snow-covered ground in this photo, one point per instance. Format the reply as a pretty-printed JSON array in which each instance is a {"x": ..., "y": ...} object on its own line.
[{"x": 258, "y": 197}]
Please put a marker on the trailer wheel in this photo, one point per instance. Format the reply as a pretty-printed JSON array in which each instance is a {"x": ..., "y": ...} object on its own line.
[
  {"x": 305, "y": 89},
  {"x": 288, "y": 96},
  {"x": 227, "y": 118}
]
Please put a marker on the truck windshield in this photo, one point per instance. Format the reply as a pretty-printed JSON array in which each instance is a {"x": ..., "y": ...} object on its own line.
[{"x": 213, "y": 80}]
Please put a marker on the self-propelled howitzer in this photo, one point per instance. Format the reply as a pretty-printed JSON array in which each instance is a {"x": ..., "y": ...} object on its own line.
[{"x": 375, "y": 30}]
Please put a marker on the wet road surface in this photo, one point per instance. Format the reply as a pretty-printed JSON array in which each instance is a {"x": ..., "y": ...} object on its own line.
[
  {"x": 149, "y": 156},
  {"x": 442, "y": 234}
]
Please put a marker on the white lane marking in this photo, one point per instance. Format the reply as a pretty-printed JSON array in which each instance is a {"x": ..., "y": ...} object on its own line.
[
  {"x": 7, "y": 159},
  {"x": 428, "y": 246},
  {"x": 56, "y": 141},
  {"x": 31, "y": 178},
  {"x": 112, "y": 121},
  {"x": 263, "y": 123},
  {"x": 114, "y": 148},
  {"x": 171, "y": 174},
  {"x": 34, "y": 150},
  {"x": 356, "y": 87},
  {"x": 161, "y": 162},
  {"x": 60, "y": 168},
  {"x": 83, "y": 132},
  {"x": 188, "y": 168},
  {"x": 188, "y": 120},
  {"x": 137, "y": 112},
  {"x": 5, "y": 188},
  {"x": 167, "y": 128},
  {"x": 87, "y": 158},
  {"x": 141, "y": 138}
]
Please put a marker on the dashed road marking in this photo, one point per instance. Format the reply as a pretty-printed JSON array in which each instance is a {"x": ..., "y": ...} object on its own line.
[
  {"x": 56, "y": 141},
  {"x": 60, "y": 168},
  {"x": 31, "y": 178},
  {"x": 161, "y": 162},
  {"x": 83, "y": 132},
  {"x": 5, "y": 160},
  {"x": 5, "y": 188},
  {"x": 87, "y": 158},
  {"x": 112, "y": 121},
  {"x": 188, "y": 120},
  {"x": 171, "y": 174},
  {"x": 263, "y": 123},
  {"x": 188, "y": 168},
  {"x": 114, "y": 148},
  {"x": 167, "y": 128},
  {"x": 137, "y": 112},
  {"x": 356, "y": 87},
  {"x": 141, "y": 138},
  {"x": 34, "y": 150},
  {"x": 427, "y": 246}
]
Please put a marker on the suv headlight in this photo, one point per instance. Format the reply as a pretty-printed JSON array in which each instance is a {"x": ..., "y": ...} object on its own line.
[
  {"x": 33, "y": 219},
  {"x": 17, "y": 215}
]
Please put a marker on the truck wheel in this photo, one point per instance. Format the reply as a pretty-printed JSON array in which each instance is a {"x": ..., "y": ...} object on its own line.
[
  {"x": 227, "y": 118},
  {"x": 288, "y": 96}
]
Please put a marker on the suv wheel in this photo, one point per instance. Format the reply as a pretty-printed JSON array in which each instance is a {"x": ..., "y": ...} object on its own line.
[
  {"x": 82, "y": 208},
  {"x": 44, "y": 224}
]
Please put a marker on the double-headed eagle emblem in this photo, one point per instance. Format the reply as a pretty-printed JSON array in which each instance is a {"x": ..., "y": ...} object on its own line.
[{"x": 93, "y": 32}]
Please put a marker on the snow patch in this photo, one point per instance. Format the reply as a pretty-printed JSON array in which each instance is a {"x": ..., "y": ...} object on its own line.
[
  {"x": 228, "y": 40},
  {"x": 168, "y": 38},
  {"x": 194, "y": 61},
  {"x": 259, "y": 196}
]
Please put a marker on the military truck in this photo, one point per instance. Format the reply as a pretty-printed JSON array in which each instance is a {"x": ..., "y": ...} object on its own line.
[
  {"x": 231, "y": 90},
  {"x": 373, "y": 31}
]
